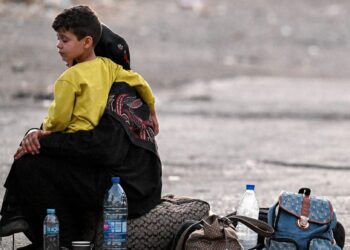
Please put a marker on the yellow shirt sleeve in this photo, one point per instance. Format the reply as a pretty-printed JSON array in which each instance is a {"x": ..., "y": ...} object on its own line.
[
  {"x": 136, "y": 80},
  {"x": 61, "y": 109}
]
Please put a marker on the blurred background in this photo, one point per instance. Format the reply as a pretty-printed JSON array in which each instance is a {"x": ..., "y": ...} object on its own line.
[{"x": 177, "y": 41}]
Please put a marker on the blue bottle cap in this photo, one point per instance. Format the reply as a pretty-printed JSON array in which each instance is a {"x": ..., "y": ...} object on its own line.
[
  {"x": 250, "y": 187},
  {"x": 115, "y": 179},
  {"x": 50, "y": 210}
]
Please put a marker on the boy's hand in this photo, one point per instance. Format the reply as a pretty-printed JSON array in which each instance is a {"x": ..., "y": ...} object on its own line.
[
  {"x": 155, "y": 122},
  {"x": 30, "y": 143}
]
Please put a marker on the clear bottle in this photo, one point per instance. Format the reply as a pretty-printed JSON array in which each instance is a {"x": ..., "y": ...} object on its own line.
[
  {"x": 115, "y": 213},
  {"x": 249, "y": 207},
  {"x": 51, "y": 231}
]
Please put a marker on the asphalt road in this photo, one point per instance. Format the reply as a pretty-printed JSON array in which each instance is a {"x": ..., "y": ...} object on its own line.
[{"x": 278, "y": 133}]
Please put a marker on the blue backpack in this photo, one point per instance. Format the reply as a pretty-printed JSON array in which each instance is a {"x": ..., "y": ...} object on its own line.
[{"x": 302, "y": 222}]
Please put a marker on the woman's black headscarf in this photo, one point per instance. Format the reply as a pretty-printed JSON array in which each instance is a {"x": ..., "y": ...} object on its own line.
[{"x": 114, "y": 47}]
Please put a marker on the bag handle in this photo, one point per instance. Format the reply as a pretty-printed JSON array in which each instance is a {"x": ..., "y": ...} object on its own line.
[
  {"x": 260, "y": 227},
  {"x": 180, "y": 244}
]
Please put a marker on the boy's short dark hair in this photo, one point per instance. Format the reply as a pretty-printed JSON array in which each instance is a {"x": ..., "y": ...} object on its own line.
[{"x": 81, "y": 21}]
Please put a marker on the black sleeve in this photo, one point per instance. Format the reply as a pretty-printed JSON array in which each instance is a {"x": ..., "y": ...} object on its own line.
[{"x": 106, "y": 144}]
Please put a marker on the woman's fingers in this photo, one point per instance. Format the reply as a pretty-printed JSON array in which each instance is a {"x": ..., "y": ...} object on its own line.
[
  {"x": 30, "y": 142},
  {"x": 155, "y": 122},
  {"x": 19, "y": 153},
  {"x": 34, "y": 141},
  {"x": 28, "y": 145}
]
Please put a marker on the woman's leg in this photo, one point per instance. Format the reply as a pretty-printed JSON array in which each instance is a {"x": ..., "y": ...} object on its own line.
[{"x": 40, "y": 182}]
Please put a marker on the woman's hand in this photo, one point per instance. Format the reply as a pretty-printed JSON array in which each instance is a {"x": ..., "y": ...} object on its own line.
[
  {"x": 30, "y": 143},
  {"x": 155, "y": 122},
  {"x": 19, "y": 153}
]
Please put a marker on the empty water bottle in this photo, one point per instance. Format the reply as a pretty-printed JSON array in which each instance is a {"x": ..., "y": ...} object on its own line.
[
  {"x": 51, "y": 231},
  {"x": 249, "y": 207},
  {"x": 115, "y": 213}
]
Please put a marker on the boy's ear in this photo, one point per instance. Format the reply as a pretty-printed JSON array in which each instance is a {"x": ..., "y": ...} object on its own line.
[{"x": 88, "y": 42}]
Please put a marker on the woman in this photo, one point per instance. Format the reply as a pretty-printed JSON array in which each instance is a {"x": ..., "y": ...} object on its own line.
[{"x": 72, "y": 171}]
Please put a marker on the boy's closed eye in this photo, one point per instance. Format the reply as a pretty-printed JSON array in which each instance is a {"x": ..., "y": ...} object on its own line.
[{"x": 62, "y": 38}]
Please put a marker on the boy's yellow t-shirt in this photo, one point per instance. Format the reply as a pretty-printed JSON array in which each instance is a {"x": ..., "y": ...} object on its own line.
[{"x": 81, "y": 92}]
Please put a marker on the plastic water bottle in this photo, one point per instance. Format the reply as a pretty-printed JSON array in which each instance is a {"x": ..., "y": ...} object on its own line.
[
  {"x": 115, "y": 213},
  {"x": 249, "y": 207},
  {"x": 51, "y": 231}
]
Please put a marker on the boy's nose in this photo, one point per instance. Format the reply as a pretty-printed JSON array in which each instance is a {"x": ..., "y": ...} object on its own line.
[{"x": 59, "y": 44}]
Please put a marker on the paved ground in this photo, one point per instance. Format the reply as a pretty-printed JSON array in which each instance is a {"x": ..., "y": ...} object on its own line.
[{"x": 278, "y": 133}]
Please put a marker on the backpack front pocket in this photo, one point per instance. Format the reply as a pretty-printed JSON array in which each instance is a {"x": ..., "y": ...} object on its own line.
[
  {"x": 281, "y": 244},
  {"x": 322, "y": 244}
]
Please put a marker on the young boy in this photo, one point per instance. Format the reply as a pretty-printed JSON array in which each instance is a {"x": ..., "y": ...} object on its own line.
[{"x": 81, "y": 92}]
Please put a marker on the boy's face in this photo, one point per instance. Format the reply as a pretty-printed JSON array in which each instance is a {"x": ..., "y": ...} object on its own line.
[{"x": 69, "y": 47}]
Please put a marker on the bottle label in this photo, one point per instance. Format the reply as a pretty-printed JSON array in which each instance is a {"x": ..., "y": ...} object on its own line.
[
  {"x": 51, "y": 229},
  {"x": 115, "y": 229}
]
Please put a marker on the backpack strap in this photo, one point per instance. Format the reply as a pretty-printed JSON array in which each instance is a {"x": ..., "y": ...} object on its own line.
[{"x": 260, "y": 227}]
